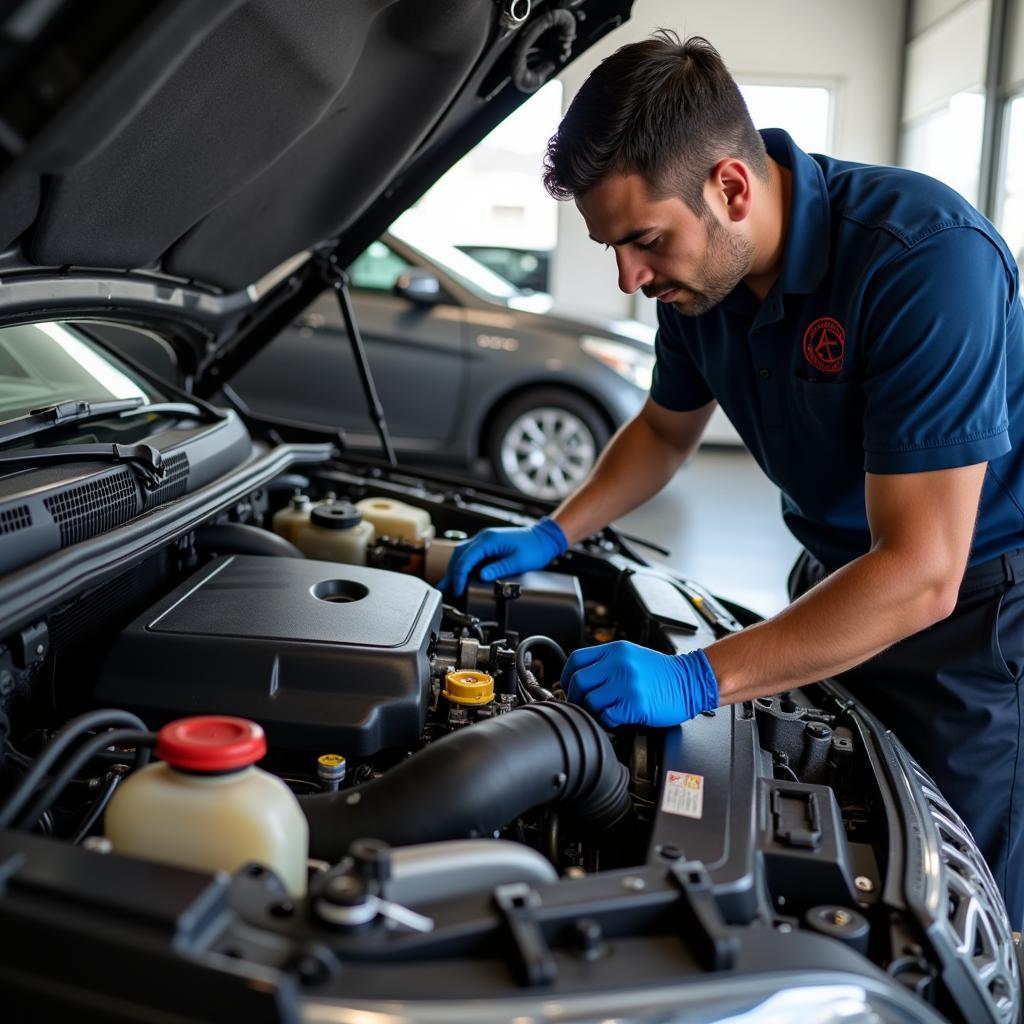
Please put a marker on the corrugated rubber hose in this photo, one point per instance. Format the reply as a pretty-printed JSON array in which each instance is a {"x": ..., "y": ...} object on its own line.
[{"x": 477, "y": 779}]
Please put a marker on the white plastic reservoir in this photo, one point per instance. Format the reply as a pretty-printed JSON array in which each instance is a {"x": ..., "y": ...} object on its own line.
[{"x": 206, "y": 805}]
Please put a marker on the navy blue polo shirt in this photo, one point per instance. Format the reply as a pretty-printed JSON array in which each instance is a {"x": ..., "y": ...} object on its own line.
[{"x": 892, "y": 342}]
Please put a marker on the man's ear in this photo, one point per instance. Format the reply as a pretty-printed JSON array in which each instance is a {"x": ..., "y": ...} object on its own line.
[{"x": 730, "y": 189}]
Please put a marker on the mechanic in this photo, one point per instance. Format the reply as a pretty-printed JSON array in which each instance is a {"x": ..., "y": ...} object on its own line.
[{"x": 861, "y": 327}]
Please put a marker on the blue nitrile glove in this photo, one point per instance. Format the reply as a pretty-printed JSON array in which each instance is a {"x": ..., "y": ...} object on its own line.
[
  {"x": 508, "y": 549},
  {"x": 625, "y": 684}
]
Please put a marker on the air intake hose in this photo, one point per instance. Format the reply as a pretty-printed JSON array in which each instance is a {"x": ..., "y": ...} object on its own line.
[{"x": 473, "y": 781}]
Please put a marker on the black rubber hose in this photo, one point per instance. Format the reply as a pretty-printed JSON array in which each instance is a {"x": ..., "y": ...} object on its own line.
[
  {"x": 244, "y": 539},
  {"x": 50, "y": 754},
  {"x": 526, "y": 677},
  {"x": 141, "y": 740},
  {"x": 477, "y": 779},
  {"x": 111, "y": 781}
]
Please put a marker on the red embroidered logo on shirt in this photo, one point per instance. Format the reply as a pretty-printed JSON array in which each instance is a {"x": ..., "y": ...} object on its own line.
[{"x": 824, "y": 343}]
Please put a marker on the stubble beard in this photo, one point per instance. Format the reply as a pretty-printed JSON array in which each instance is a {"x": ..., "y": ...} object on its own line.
[{"x": 728, "y": 261}]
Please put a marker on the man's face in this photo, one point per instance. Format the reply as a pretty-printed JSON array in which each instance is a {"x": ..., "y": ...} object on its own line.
[{"x": 662, "y": 247}]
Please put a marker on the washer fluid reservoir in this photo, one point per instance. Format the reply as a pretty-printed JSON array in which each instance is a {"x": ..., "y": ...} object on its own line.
[
  {"x": 335, "y": 532},
  {"x": 289, "y": 520},
  {"x": 206, "y": 805},
  {"x": 397, "y": 520}
]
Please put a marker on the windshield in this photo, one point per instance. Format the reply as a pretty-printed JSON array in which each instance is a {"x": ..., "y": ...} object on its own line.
[
  {"x": 43, "y": 364},
  {"x": 467, "y": 271}
]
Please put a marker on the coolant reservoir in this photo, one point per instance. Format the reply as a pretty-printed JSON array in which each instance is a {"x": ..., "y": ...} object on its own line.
[
  {"x": 207, "y": 806},
  {"x": 439, "y": 554},
  {"x": 397, "y": 520},
  {"x": 290, "y": 519},
  {"x": 336, "y": 532}
]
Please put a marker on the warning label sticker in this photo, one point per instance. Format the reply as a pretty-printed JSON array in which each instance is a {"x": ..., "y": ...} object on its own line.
[{"x": 684, "y": 794}]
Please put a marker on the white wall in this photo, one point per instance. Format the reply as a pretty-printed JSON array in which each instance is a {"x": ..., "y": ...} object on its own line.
[
  {"x": 856, "y": 47},
  {"x": 1015, "y": 57},
  {"x": 946, "y": 57},
  {"x": 925, "y": 13}
]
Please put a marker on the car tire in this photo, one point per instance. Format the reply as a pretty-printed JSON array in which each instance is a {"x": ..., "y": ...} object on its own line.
[{"x": 544, "y": 442}]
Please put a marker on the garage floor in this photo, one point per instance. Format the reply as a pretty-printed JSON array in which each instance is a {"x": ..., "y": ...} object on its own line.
[{"x": 720, "y": 519}]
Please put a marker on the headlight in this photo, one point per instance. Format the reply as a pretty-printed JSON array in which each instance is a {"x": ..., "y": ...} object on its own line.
[{"x": 629, "y": 363}]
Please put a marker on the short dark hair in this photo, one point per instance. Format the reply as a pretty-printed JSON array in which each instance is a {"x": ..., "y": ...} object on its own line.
[{"x": 665, "y": 109}]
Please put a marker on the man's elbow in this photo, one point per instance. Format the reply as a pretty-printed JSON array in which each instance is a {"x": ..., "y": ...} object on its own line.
[
  {"x": 940, "y": 594},
  {"x": 943, "y": 602},
  {"x": 929, "y": 587}
]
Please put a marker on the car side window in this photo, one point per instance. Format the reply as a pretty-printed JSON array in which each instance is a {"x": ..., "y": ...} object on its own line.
[{"x": 378, "y": 268}]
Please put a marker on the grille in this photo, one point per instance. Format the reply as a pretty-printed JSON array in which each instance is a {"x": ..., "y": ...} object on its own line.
[
  {"x": 976, "y": 921},
  {"x": 93, "y": 508},
  {"x": 17, "y": 518},
  {"x": 174, "y": 482}
]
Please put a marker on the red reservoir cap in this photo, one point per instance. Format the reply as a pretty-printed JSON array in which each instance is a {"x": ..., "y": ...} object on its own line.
[{"x": 211, "y": 743}]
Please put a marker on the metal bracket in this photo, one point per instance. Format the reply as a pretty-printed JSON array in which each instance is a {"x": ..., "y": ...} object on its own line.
[
  {"x": 517, "y": 903},
  {"x": 703, "y": 924}
]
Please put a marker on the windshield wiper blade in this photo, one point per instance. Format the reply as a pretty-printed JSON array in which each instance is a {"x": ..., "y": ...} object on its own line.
[
  {"x": 38, "y": 421},
  {"x": 144, "y": 459},
  {"x": 59, "y": 415}
]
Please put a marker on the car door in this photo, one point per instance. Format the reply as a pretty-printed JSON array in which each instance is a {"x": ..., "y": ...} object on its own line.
[{"x": 416, "y": 353}]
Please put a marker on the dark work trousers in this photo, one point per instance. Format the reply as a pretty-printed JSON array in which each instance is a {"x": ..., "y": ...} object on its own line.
[{"x": 952, "y": 694}]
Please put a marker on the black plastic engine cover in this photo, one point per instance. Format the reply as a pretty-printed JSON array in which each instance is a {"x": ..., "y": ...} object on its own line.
[{"x": 326, "y": 657}]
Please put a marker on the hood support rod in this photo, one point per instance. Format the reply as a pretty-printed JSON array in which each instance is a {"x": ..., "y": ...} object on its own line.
[{"x": 340, "y": 283}]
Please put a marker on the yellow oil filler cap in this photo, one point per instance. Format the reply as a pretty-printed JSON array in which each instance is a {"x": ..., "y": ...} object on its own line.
[{"x": 467, "y": 687}]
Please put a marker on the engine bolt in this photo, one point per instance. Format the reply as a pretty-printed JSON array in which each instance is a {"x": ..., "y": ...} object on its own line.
[
  {"x": 633, "y": 883},
  {"x": 97, "y": 844},
  {"x": 864, "y": 884},
  {"x": 345, "y": 891},
  {"x": 588, "y": 934},
  {"x": 839, "y": 917}
]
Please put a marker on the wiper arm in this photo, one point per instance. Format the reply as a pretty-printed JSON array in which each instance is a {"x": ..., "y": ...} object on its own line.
[
  {"x": 144, "y": 459},
  {"x": 38, "y": 421},
  {"x": 51, "y": 416}
]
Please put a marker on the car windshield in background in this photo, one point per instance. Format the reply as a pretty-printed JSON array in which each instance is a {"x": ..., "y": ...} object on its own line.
[
  {"x": 467, "y": 271},
  {"x": 48, "y": 363}
]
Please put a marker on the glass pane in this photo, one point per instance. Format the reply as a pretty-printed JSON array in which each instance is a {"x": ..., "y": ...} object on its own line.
[
  {"x": 803, "y": 111},
  {"x": 378, "y": 268},
  {"x": 1011, "y": 217},
  {"x": 947, "y": 143},
  {"x": 44, "y": 364}
]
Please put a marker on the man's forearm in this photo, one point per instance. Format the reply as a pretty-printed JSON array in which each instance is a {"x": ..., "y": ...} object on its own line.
[
  {"x": 854, "y": 614},
  {"x": 636, "y": 465}
]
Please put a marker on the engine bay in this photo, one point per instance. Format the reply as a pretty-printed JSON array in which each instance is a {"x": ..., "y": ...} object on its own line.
[{"x": 470, "y": 831}]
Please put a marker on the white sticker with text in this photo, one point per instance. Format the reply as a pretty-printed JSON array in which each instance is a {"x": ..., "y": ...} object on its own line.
[{"x": 684, "y": 794}]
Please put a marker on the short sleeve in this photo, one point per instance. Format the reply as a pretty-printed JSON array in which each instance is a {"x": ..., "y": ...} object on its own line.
[
  {"x": 934, "y": 372},
  {"x": 677, "y": 384}
]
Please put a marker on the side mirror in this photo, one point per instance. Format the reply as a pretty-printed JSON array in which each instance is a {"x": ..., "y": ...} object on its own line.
[{"x": 419, "y": 286}]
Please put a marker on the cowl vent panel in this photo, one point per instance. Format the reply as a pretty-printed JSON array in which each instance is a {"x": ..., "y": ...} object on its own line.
[
  {"x": 89, "y": 509},
  {"x": 174, "y": 483},
  {"x": 18, "y": 518}
]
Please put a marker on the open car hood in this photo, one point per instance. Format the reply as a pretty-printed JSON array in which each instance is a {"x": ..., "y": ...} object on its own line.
[{"x": 168, "y": 156}]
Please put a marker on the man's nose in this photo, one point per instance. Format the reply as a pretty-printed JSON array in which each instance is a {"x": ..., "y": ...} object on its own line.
[{"x": 633, "y": 273}]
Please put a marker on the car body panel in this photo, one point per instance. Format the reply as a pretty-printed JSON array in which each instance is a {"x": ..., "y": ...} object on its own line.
[{"x": 441, "y": 370}]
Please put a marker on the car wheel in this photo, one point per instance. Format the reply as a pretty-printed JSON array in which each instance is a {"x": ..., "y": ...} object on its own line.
[{"x": 543, "y": 443}]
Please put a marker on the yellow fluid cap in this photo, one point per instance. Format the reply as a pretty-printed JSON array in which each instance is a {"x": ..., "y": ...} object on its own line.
[
  {"x": 330, "y": 760},
  {"x": 468, "y": 687}
]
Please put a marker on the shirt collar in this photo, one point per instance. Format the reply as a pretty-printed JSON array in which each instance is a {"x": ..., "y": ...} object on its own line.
[{"x": 808, "y": 236}]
